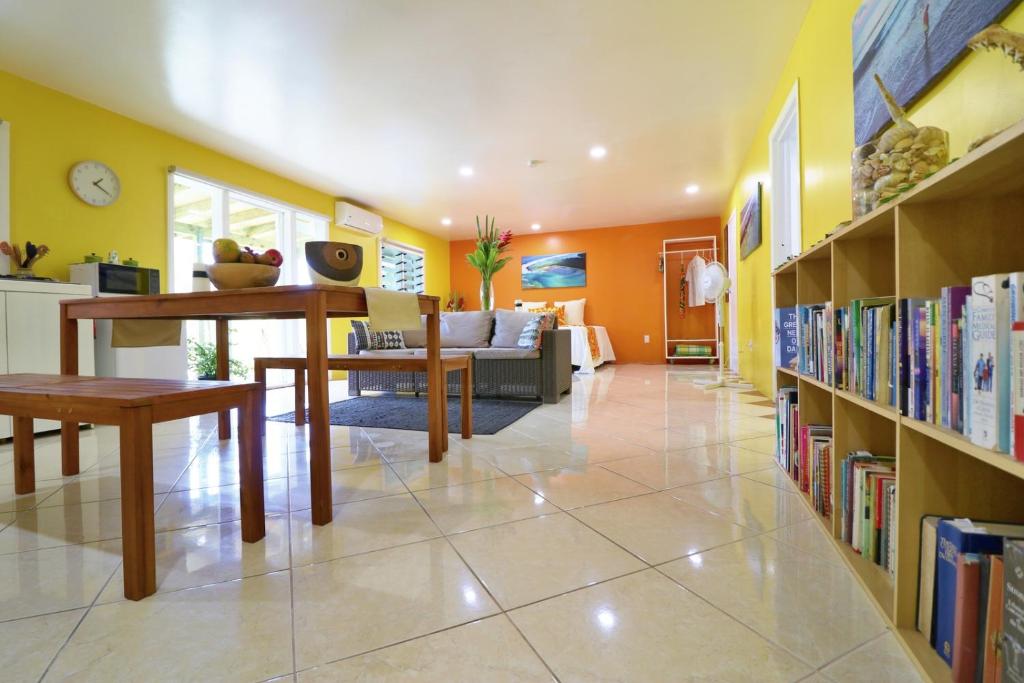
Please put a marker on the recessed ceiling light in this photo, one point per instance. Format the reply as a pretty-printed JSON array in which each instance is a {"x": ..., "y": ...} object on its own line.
[
  {"x": 692, "y": 189},
  {"x": 465, "y": 171},
  {"x": 598, "y": 152},
  {"x": 535, "y": 226},
  {"x": 446, "y": 221}
]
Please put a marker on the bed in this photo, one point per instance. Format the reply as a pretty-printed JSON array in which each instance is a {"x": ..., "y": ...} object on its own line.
[{"x": 591, "y": 347}]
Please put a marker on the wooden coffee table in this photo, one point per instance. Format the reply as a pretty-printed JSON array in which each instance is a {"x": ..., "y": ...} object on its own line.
[{"x": 315, "y": 303}]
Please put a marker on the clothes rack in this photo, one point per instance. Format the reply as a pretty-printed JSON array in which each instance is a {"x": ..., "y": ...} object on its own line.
[{"x": 709, "y": 252}]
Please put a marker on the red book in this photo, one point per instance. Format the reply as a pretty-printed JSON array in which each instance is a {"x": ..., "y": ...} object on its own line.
[
  {"x": 993, "y": 668},
  {"x": 1017, "y": 390},
  {"x": 965, "y": 620}
]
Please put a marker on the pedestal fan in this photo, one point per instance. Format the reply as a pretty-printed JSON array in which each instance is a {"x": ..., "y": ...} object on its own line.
[{"x": 715, "y": 284}]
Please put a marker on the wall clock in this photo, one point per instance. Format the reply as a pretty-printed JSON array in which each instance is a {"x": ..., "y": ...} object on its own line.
[{"x": 94, "y": 183}]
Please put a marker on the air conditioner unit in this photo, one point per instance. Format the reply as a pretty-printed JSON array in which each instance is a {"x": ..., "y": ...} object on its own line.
[{"x": 350, "y": 216}]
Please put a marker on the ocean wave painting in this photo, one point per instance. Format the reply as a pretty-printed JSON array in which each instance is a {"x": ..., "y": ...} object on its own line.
[
  {"x": 555, "y": 270},
  {"x": 910, "y": 44}
]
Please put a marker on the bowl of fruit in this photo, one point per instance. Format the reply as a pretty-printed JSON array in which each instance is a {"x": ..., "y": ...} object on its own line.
[{"x": 238, "y": 268}]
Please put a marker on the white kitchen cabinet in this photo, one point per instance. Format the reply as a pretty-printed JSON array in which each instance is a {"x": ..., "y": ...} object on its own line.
[{"x": 30, "y": 334}]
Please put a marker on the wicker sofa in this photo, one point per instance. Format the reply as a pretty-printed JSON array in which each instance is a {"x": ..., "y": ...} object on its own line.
[{"x": 499, "y": 371}]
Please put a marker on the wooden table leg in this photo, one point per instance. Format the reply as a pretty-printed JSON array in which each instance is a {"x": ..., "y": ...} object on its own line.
[
  {"x": 259, "y": 375},
  {"x": 68, "y": 366},
  {"x": 250, "y": 469},
  {"x": 223, "y": 346},
  {"x": 319, "y": 419},
  {"x": 444, "y": 410},
  {"x": 25, "y": 456},
  {"x": 435, "y": 421},
  {"x": 138, "y": 543},
  {"x": 300, "y": 397},
  {"x": 467, "y": 400}
]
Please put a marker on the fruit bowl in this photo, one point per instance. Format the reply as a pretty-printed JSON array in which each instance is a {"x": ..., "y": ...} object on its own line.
[{"x": 242, "y": 275}]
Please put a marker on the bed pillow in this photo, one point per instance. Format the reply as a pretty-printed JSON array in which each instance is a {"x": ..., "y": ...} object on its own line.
[
  {"x": 573, "y": 311},
  {"x": 557, "y": 311},
  {"x": 466, "y": 329},
  {"x": 527, "y": 305},
  {"x": 533, "y": 333},
  {"x": 508, "y": 325}
]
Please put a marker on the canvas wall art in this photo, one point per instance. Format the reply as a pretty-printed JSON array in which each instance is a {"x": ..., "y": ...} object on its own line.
[
  {"x": 555, "y": 270},
  {"x": 750, "y": 224},
  {"x": 910, "y": 44}
]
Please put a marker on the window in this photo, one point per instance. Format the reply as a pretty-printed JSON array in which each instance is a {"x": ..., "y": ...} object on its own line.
[
  {"x": 203, "y": 210},
  {"x": 401, "y": 267}
]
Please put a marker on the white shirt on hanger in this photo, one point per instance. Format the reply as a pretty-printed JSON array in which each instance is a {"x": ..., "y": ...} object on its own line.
[{"x": 694, "y": 285}]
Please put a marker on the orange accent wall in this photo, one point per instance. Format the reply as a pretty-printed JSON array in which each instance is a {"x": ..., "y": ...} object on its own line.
[{"x": 623, "y": 288}]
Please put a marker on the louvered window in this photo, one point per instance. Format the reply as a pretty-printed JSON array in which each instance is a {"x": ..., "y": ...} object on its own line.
[{"x": 401, "y": 267}]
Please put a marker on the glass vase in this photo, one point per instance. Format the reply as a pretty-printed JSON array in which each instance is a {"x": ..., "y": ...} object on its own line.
[{"x": 486, "y": 295}]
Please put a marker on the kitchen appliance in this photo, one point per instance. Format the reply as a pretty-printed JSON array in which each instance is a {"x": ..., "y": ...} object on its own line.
[
  {"x": 156, "y": 362},
  {"x": 114, "y": 278}
]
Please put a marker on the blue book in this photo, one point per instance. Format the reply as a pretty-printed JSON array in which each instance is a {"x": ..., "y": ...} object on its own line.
[
  {"x": 785, "y": 337},
  {"x": 955, "y": 537}
]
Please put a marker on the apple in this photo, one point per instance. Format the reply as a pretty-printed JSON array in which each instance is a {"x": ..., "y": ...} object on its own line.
[{"x": 271, "y": 257}]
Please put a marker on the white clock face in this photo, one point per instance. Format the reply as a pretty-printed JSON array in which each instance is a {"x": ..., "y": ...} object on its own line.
[{"x": 94, "y": 183}]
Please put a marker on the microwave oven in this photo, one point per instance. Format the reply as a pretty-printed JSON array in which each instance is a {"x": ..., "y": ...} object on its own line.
[{"x": 114, "y": 278}]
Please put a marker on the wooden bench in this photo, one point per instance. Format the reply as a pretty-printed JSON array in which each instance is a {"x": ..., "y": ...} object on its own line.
[
  {"x": 464, "y": 364},
  {"x": 135, "y": 405}
]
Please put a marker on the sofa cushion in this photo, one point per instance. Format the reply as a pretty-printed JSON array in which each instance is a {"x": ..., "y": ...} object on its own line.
[
  {"x": 506, "y": 354},
  {"x": 508, "y": 325},
  {"x": 533, "y": 333},
  {"x": 416, "y": 339},
  {"x": 387, "y": 352},
  {"x": 455, "y": 351},
  {"x": 466, "y": 329}
]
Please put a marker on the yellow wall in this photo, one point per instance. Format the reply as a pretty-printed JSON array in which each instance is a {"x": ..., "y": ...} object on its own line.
[
  {"x": 982, "y": 94},
  {"x": 50, "y": 131}
]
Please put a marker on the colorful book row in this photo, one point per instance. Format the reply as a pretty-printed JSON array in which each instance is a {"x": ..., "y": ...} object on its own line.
[
  {"x": 867, "y": 504},
  {"x": 971, "y": 597}
]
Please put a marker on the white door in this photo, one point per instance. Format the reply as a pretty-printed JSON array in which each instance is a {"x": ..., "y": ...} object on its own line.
[
  {"x": 732, "y": 240},
  {"x": 784, "y": 169}
]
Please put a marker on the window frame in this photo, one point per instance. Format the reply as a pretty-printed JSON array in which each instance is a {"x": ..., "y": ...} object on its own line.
[{"x": 407, "y": 248}]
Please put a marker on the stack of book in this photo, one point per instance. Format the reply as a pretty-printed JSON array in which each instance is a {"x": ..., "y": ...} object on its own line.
[
  {"x": 971, "y": 597},
  {"x": 814, "y": 466},
  {"x": 962, "y": 360},
  {"x": 865, "y": 341},
  {"x": 787, "y": 420},
  {"x": 815, "y": 337},
  {"x": 867, "y": 504}
]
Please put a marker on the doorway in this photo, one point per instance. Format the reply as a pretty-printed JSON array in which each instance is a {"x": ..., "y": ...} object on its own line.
[
  {"x": 784, "y": 169},
  {"x": 733, "y": 245}
]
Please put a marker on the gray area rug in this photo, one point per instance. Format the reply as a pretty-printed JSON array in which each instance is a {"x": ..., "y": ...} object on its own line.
[{"x": 410, "y": 412}]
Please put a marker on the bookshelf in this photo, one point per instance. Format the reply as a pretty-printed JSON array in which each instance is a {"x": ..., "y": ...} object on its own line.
[{"x": 965, "y": 220}]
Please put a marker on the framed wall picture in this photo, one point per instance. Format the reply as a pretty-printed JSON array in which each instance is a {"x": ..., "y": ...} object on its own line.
[
  {"x": 750, "y": 224},
  {"x": 555, "y": 270},
  {"x": 910, "y": 44}
]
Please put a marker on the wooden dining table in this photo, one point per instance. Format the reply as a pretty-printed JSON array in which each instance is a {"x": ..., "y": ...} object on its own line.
[{"x": 314, "y": 303}]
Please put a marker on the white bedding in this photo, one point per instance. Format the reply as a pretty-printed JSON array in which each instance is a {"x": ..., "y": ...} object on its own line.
[{"x": 581, "y": 348}]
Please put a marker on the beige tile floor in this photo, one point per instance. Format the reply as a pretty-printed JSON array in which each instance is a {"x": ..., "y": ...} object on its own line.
[{"x": 635, "y": 531}]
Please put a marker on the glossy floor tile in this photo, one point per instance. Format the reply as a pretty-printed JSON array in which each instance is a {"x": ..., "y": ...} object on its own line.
[{"x": 636, "y": 530}]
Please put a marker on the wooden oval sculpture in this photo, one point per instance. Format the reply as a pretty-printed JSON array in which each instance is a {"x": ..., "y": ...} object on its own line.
[{"x": 334, "y": 263}]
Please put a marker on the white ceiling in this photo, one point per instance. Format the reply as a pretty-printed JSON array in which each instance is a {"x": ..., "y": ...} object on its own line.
[{"x": 382, "y": 101}]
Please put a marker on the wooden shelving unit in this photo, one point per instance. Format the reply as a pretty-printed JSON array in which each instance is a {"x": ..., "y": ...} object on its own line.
[{"x": 965, "y": 220}]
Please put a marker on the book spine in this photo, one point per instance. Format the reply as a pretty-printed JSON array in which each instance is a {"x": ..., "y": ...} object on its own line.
[
  {"x": 944, "y": 364},
  {"x": 1013, "y": 612},
  {"x": 965, "y": 619},
  {"x": 947, "y": 552},
  {"x": 1017, "y": 369}
]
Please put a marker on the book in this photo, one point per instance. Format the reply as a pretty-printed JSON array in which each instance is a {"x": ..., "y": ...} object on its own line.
[
  {"x": 926, "y": 578},
  {"x": 1013, "y": 612},
  {"x": 985, "y": 569},
  {"x": 965, "y": 619},
  {"x": 1017, "y": 389},
  {"x": 956, "y": 537},
  {"x": 990, "y": 653},
  {"x": 990, "y": 351},
  {"x": 785, "y": 337},
  {"x": 952, "y": 305}
]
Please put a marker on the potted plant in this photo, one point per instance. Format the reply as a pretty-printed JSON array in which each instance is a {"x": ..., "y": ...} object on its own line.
[
  {"x": 486, "y": 258},
  {"x": 202, "y": 359}
]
